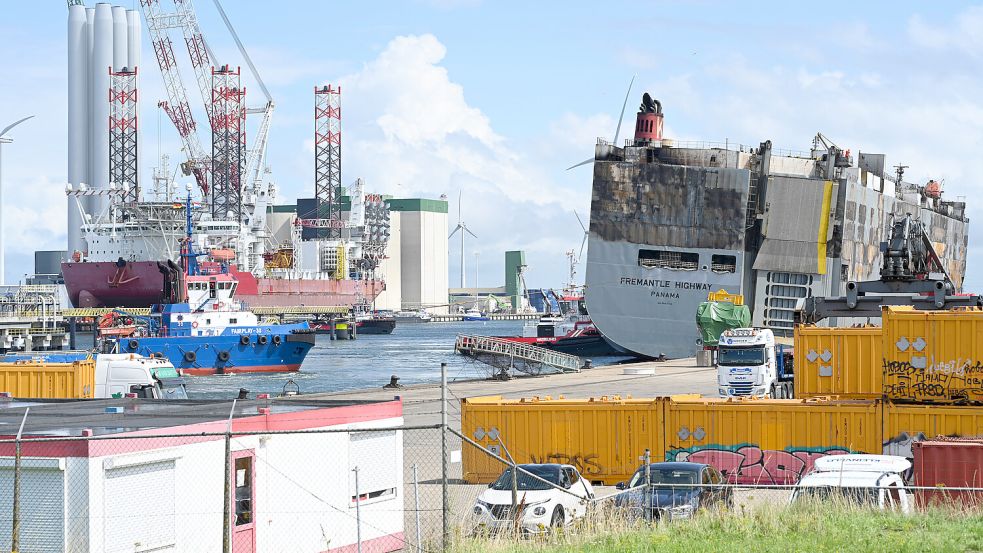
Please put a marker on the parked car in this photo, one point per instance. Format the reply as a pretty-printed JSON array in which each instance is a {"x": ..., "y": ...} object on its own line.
[
  {"x": 867, "y": 480},
  {"x": 678, "y": 490},
  {"x": 542, "y": 505}
]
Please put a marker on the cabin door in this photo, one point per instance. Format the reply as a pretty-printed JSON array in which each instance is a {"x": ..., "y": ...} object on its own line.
[{"x": 243, "y": 501}]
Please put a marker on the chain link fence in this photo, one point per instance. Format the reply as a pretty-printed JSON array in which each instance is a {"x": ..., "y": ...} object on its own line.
[{"x": 354, "y": 489}]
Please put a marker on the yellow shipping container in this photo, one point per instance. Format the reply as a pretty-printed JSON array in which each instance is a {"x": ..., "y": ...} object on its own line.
[
  {"x": 31, "y": 379},
  {"x": 768, "y": 441},
  {"x": 906, "y": 424},
  {"x": 841, "y": 362},
  {"x": 933, "y": 356},
  {"x": 602, "y": 437}
]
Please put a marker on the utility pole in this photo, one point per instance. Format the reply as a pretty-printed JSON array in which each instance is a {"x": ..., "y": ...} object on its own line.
[{"x": 5, "y": 140}]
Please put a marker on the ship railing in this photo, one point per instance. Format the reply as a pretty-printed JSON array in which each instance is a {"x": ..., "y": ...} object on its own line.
[
  {"x": 714, "y": 145},
  {"x": 499, "y": 347}
]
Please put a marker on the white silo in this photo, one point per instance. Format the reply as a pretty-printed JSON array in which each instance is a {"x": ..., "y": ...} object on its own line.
[
  {"x": 78, "y": 117},
  {"x": 133, "y": 31},
  {"x": 120, "y": 43},
  {"x": 102, "y": 59},
  {"x": 90, "y": 41}
]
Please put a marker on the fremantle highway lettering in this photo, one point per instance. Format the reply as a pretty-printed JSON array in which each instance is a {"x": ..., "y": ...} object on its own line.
[{"x": 665, "y": 288}]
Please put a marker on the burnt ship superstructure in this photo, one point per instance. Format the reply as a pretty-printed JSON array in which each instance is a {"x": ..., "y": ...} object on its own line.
[{"x": 671, "y": 222}]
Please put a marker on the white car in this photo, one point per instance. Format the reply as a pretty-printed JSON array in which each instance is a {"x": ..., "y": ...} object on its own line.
[
  {"x": 870, "y": 480},
  {"x": 542, "y": 505}
]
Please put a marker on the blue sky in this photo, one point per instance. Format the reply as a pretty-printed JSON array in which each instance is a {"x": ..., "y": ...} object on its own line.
[{"x": 496, "y": 99}]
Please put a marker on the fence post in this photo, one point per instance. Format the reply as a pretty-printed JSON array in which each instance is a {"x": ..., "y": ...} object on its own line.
[
  {"x": 358, "y": 512},
  {"x": 416, "y": 502},
  {"x": 15, "y": 510},
  {"x": 445, "y": 493},
  {"x": 647, "y": 458},
  {"x": 227, "y": 509},
  {"x": 515, "y": 477}
]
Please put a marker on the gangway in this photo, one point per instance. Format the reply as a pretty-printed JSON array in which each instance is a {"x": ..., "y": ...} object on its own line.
[{"x": 506, "y": 354}]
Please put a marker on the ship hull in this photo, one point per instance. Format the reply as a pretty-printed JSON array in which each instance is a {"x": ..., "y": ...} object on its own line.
[
  {"x": 142, "y": 284},
  {"x": 584, "y": 346},
  {"x": 108, "y": 284},
  {"x": 274, "y": 352}
]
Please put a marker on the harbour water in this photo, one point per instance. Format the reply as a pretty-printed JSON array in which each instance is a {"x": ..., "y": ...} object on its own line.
[{"x": 413, "y": 352}]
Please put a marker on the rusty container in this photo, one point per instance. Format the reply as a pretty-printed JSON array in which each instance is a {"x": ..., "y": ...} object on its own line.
[{"x": 943, "y": 463}]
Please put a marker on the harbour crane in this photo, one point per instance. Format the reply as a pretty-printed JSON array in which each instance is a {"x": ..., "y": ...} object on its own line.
[{"x": 177, "y": 106}]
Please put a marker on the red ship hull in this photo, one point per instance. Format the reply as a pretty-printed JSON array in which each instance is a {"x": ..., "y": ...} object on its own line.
[{"x": 143, "y": 283}]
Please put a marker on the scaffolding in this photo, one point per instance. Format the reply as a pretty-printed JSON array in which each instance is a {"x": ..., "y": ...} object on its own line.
[
  {"x": 327, "y": 156},
  {"x": 123, "y": 133},
  {"x": 228, "y": 144}
]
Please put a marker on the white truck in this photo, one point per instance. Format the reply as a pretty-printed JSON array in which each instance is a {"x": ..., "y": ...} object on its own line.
[
  {"x": 81, "y": 375},
  {"x": 750, "y": 364}
]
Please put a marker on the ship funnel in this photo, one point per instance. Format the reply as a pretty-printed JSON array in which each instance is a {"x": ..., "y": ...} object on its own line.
[{"x": 648, "y": 122}]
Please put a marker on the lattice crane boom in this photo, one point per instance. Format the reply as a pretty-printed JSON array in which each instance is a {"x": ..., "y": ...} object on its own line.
[{"x": 177, "y": 107}]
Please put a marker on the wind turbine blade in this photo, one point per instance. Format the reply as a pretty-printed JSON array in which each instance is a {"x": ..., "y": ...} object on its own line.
[
  {"x": 467, "y": 230},
  {"x": 577, "y": 215},
  {"x": 14, "y": 124},
  {"x": 582, "y": 244},
  {"x": 617, "y": 131},
  {"x": 451, "y": 235},
  {"x": 584, "y": 162}
]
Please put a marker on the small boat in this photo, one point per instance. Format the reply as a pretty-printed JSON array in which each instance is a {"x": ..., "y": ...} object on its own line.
[
  {"x": 420, "y": 316},
  {"x": 571, "y": 332},
  {"x": 375, "y": 323},
  {"x": 474, "y": 315}
]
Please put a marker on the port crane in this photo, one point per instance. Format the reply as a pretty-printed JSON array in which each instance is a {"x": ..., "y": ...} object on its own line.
[
  {"x": 912, "y": 273},
  {"x": 177, "y": 106}
]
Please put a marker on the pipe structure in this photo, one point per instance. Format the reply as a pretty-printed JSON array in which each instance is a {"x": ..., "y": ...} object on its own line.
[
  {"x": 120, "y": 41},
  {"x": 101, "y": 61},
  {"x": 90, "y": 41},
  {"x": 78, "y": 119},
  {"x": 133, "y": 33}
]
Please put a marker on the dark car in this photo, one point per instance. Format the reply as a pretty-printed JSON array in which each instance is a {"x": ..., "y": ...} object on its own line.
[{"x": 677, "y": 490}]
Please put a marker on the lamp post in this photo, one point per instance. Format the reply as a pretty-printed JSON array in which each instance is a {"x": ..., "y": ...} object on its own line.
[{"x": 3, "y": 250}]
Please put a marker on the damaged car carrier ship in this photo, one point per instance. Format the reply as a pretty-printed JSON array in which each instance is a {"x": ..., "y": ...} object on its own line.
[{"x": 671, "y": 222}]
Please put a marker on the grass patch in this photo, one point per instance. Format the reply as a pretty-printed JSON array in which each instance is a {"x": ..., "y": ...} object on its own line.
[{"x": 802, "y": 528}]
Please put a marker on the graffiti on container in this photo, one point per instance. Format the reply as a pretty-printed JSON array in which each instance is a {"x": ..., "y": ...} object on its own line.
[
  {"x": 928, "y": 378},
  {"x": 585, "y": 463},
  {"x": 749, "y": 464}
]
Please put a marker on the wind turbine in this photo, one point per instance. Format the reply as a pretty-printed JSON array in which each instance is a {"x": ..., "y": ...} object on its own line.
[
  {"x": 572, "y": 255},
  {"x": 462, "y": 228},
  {"x": 617, "y": 131}
]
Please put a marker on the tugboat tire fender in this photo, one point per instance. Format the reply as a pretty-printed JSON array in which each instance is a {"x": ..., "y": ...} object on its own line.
[
  {"x": 190, "y": 356},
  {"x": 244, "y": 340},
  {"x": 261, "y": 340},
  {"x": 223, "y": 356},
  {"x": 133, "y": 344},
  {"x": 277, "y": 340}
]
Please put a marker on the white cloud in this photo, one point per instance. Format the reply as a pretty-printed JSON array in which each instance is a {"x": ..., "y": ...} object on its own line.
[{"x": 965, "y": 33}]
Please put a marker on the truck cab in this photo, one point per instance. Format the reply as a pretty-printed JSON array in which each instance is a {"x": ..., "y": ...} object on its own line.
[
  {"x": 118, "y": 374},
  {"x": 749, "y": 364}
]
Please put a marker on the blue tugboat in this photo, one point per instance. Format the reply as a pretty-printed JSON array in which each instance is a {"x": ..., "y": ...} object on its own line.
[{"x": 210, "y": 333}]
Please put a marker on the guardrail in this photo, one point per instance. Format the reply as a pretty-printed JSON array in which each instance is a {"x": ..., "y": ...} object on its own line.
[{"x": 475, "y": 346}]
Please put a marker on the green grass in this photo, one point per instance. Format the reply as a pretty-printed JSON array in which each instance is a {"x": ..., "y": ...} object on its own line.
[{"x": 804, "y": 528}]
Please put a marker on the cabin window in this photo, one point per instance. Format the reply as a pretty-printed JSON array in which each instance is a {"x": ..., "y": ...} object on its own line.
[
  {"x": 233, "y": 321},
  {"x": 663, "y": 259},
  {"x": 723, "y": 263}
]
